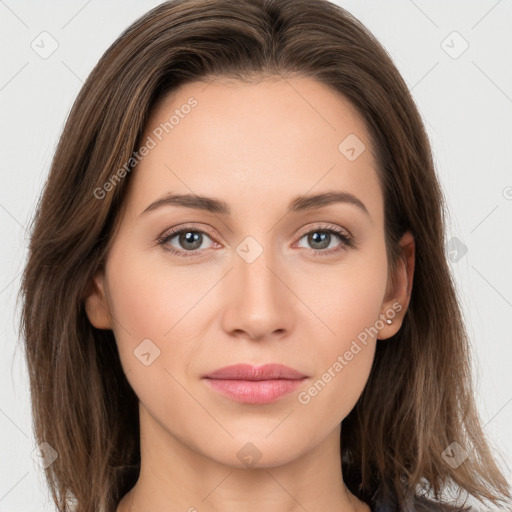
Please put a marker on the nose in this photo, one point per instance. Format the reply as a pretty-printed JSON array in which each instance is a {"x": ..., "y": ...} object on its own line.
[{"x": 259, "y": 303}]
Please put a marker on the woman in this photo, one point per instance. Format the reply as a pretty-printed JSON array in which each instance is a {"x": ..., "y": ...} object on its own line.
[{"x": 307, "y": 351}]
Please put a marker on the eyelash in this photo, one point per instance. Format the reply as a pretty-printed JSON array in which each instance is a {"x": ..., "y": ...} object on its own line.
[{"x": 342, "y": 234}]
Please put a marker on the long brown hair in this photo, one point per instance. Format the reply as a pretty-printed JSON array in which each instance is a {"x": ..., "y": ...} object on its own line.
[{"x": 418, "y": 399}]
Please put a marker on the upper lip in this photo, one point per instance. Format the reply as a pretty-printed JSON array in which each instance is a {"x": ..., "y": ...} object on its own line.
[{"x": 249, "y": 372}]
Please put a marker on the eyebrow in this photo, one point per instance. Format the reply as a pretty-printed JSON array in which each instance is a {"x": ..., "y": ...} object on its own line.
[{"x": 298, "y": 204}]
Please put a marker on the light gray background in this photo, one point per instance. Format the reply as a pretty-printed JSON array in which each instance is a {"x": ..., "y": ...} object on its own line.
[{"x": 465, "y": 100}]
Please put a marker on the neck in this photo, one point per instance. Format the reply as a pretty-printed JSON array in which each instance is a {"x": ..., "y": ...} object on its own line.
[{"x": 174, "y": 477}]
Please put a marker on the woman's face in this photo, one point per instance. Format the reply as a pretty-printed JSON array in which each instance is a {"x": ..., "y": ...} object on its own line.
[{"x": 260, "y": 280}]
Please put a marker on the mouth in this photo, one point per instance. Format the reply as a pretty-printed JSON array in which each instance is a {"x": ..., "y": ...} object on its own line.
[{"x": 255, "y": 385}]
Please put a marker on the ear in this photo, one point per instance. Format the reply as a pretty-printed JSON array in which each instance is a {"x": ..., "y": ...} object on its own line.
[
  {"x": 96, "y": 305},
  {"x": 398, "y": 292}
]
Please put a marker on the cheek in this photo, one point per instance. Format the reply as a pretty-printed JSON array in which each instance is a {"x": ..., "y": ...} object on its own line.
[
  {"x": 150, "y": 297},
  {"x": 158, "y": 310},
  {"x": 148, "y": 315},
  {"x": 348, "y": 300},
  {"x": 141, "y": 304}
]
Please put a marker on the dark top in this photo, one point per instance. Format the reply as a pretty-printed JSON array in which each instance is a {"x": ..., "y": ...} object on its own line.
[{"x": 419, "y": 504}]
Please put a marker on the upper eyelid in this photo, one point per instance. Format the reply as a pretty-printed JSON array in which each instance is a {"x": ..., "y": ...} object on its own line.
[
  {"x": 325, "y": 227},
  {"x": 175, "y": 231}
]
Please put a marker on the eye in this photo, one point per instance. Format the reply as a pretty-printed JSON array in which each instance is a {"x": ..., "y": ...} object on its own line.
[
  {"x": 322, "y": 239},
  {"x": 189, "y": 240}
]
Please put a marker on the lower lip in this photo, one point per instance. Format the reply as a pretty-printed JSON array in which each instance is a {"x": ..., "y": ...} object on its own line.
[{"x": 255, "y": 391}]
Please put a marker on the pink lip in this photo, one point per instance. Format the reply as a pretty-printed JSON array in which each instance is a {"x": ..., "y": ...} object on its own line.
[{"x": 255, "y": 385}]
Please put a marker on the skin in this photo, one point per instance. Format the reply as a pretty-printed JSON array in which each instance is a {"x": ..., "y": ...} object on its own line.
[{"x": 256, "y": 147}]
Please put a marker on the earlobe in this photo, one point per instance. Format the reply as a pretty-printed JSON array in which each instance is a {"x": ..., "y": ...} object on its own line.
[
  {"x": 399, "y": 292},
  {"x": 96, "y": 304}
]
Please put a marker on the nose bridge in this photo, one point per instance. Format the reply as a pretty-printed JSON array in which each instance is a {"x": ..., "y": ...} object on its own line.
[
  {"x": 252, "y": 266},
  {"x": 259, "y": 302}
]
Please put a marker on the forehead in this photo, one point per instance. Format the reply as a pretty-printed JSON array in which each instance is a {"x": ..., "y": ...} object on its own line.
[{"x": 244, "y": 141}]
